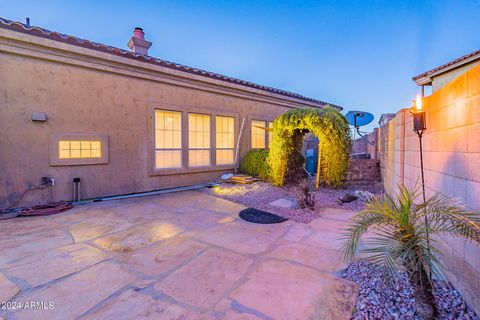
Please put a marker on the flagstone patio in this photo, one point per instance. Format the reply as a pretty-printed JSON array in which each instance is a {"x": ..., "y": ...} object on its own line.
[{"x": 184, "y": 255}]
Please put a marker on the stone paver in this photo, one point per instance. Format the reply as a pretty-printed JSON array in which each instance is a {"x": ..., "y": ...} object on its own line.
[
  {"x": 56, "y": 263},
  {"x": 138, "y": 236},
  {"x": 243, "y": 237},
  {"x": 184, "y": 255},
  {"x": 77, "y": 294},
  {"x": 7, "y": 289},
  {"x": 327, "y": 260},
  {"x": 282, "y": 290},
  {"x": 133, "y": 304},
  {"x": 163, "y": 256},
  {"x": 205, "y": 280}
]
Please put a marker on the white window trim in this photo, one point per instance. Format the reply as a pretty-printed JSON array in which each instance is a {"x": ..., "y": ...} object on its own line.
[
  {"x": 234, "y": 141},
  {"x": 211, "y": 158},
  {"x": 168, "y": 149}
]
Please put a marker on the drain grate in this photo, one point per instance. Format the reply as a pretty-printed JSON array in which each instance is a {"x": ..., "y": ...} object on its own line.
[{"x": 259, "y": 216}]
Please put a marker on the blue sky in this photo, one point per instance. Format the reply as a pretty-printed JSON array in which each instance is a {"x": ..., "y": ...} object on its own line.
[{"x": 358, "y": 54}]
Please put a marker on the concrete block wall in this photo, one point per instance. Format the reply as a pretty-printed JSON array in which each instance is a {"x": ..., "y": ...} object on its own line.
[
  {"x": 451, "y": 147},
  {"x": 363, "y": 170}
]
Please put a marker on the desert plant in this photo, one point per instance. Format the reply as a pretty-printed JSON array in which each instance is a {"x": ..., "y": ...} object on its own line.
[
  {"x": 404, "y": 229},
  {"x": 255, "y": 164},
  {"x": 304, "y": 196}
]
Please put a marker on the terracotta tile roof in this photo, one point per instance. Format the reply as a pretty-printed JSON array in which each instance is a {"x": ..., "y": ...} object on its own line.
[
  {"x": 53, "y": 35},
  {"x": 448, "y": 64}
]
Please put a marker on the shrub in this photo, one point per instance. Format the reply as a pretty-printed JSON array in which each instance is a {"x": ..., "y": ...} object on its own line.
[
  {"x": 305, "y": 198},
  {"x": 255, "y": 164}
]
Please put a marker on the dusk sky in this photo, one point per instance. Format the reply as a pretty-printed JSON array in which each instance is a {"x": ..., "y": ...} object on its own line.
[{"x": 357, "y": 54}]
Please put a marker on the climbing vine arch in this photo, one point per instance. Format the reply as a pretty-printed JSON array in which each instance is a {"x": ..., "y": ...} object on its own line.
[{"x": 330, "y": 127}]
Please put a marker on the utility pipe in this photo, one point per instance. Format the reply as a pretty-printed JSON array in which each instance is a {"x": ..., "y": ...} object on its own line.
[{"x": 238, "y": 144}]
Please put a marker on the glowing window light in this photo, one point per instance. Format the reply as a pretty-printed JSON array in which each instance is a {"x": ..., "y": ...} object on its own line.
[{"x": 79, "y": 149}]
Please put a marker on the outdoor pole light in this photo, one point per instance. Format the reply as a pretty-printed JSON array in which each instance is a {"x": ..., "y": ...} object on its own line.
[{"x": 420, "y": 126}]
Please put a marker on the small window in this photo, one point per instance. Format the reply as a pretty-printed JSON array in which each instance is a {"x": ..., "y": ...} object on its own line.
[
  {"x": 258, "y": 134},
  {"x": 168, "y": 139},
  {"x": 74, "y": 149},
  {"x": 224, "y": 140},
  {"x": 198, "y": 140}
]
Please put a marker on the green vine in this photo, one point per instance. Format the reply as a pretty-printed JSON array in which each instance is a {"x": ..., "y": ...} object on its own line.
[{"x": 328, "y": 125}]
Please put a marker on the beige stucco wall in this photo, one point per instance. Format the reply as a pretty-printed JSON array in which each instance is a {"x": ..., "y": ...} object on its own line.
[
  {"x": 451, "y": 162},
  {"x": 83, "y": 91},
  {"x": 444, "y": 78}
]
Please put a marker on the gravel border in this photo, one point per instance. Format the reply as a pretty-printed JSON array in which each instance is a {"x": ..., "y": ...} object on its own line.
[
  {"x": 380, "y": 298},
  {"x": 259, "y": 194}
]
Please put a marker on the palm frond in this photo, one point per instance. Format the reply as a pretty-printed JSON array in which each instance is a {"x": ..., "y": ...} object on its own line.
[
  {"x": 361, "y": 223},
  {"x": 448, "y": 215},
  {"x": 403, "y": 228}
]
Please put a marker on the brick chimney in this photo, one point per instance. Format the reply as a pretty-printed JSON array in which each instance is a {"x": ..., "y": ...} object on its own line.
[{"x": 137, "y": 43}]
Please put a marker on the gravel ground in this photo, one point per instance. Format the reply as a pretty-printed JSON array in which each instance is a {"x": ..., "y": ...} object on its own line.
[
  {"x": 259, "y": 194},
  {"x": 379, "y": 299}
]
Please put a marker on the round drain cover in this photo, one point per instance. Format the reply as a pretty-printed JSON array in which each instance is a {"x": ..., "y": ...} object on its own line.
[{"x": 259, "y": 216}]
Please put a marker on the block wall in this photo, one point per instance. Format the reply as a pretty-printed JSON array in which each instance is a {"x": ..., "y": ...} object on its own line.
[{"x": 451, "y": 147}]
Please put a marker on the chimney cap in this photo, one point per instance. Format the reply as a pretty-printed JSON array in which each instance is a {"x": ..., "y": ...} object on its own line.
[{"x": 137, "y": 43}]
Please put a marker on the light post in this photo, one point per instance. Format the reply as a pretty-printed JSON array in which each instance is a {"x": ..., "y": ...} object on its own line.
[{"x": 420, "y": 126}]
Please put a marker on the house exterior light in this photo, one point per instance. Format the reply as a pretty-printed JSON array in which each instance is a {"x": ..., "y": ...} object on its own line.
[
  {"x": 419, "y": 119},
  {"x": 420, "y": 126}
]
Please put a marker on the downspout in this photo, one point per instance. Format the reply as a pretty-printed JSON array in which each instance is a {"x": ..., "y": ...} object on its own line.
[{"x": 238, "y": 144}]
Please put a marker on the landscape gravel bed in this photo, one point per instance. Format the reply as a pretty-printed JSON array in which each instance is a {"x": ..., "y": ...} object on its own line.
[
  {"x": 259, "y": 195},
  {"x": 380, "y": 298}
]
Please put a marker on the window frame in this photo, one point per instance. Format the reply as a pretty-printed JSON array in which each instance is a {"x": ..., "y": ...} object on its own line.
[
  {"x": 185, "y": 110},
  {"x": 235, "y": 137},
  {"x": 211, "y": 163},
  {"x": 168, "y": 149},
  {"x": 55, "y": 159},
  {"x": 264, "y": 134}
]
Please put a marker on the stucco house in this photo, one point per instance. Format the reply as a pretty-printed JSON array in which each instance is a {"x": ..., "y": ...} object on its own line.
[
  {"x": 439, "y": 76},
  {"x": 121, "y": 121}
]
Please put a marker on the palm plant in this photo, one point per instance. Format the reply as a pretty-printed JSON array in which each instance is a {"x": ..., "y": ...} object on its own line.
[{"x": 403, "y": 231}]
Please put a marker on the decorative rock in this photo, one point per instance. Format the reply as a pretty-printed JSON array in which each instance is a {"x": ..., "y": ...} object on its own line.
[
  {"x": 283, "y": 203},
  {"x": 364, "y": 195},
  {"x": 226, "y": 176},
  {"x": 383, "y": 299}
]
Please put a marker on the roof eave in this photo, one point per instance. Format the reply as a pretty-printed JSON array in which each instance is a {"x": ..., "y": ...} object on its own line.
[{"x": 426, "y": 78}]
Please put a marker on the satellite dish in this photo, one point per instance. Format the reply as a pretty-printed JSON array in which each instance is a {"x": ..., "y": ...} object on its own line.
[{"x": 359, "y": 118}]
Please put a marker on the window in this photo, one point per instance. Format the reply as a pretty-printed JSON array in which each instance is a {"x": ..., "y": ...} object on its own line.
[
  {"x": 75, "y": 149},
  {"x": 198, "y": 140},
  {"x": 168, "y": 139},
  {"x": 258, "y": 134},
  {"x": 224, "y": 140},
  {"x": 270, "y": 126}
]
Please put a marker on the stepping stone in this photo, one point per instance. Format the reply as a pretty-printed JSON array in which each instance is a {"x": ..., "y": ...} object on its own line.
[{"x": 283, "y": 203}]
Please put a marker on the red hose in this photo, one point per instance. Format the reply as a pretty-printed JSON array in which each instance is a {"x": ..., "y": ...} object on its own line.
[
  {"x": 46, "y": 209},
  {"x": 41, "y": 210}
]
